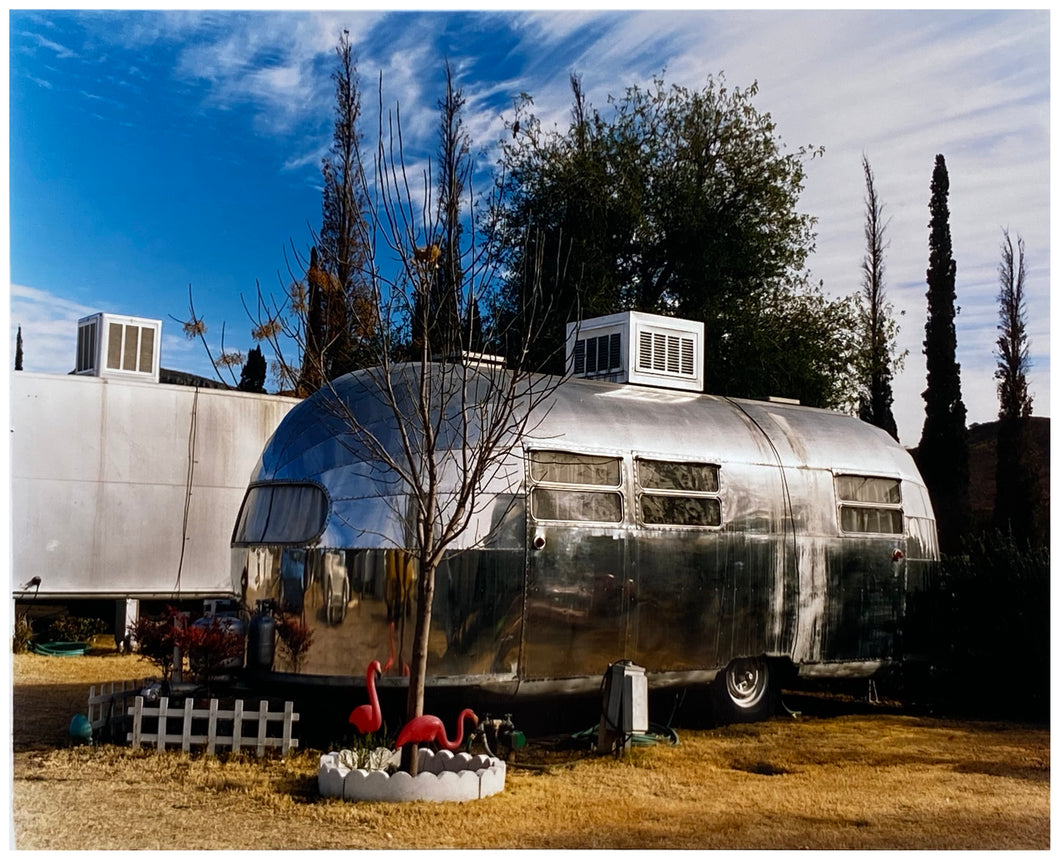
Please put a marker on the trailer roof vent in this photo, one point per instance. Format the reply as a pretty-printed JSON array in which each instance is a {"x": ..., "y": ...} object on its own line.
[
  {"x": 118, "y": 346},
  {"x": 644, "y": 349}
]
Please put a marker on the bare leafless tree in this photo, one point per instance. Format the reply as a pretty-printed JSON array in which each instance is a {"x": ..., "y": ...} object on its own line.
[{"x": 455, "y": 417}]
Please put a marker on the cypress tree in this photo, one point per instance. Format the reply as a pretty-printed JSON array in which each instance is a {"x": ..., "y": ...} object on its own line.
[
  {"x": 252, "y": 378},
  {"x": 943, "y": 452}
]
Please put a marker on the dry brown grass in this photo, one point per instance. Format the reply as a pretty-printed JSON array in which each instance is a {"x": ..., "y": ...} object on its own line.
[{"x": 856, "y": 781}]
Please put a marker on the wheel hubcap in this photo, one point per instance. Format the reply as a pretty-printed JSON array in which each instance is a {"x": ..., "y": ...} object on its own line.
[{"x": 746, "y": 681}]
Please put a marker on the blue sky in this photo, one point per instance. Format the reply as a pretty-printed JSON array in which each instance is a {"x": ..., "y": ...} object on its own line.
[{"x": 150, "y": 151}]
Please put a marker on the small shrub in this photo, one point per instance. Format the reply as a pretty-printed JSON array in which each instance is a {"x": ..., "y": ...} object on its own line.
[
  {"x": 157, "y": 637},
  {"x": 374, "y": 758},
  {"x": 210, "y": 646},
  {"x": 294, "y": 637},
  {"x": 990, "y": 628},
  {"x": 72, "y": 628}
]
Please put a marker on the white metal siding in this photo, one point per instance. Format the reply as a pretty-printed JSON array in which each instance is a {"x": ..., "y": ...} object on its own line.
[{"x": 101, "y": 471}]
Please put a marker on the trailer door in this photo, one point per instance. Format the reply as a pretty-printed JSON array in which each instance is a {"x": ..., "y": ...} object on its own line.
[
  {"x": 866, "y": 570},
  {"x": 577, "y": 615}
]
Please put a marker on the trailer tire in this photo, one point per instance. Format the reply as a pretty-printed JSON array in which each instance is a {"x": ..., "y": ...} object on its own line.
[{"x": 744, "y": 691}]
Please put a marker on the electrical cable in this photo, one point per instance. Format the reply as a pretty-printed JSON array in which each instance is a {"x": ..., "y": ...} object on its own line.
[{"x": 192, "y": 433}]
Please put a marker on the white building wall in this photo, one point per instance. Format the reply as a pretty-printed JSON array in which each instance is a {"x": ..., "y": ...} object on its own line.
[{"x": 103, "y": 471}]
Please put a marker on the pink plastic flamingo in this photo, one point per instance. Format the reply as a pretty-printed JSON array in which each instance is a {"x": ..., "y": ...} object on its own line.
[
  {"x": 429, "y": 729},
  {"x": 368, "y": 718}
]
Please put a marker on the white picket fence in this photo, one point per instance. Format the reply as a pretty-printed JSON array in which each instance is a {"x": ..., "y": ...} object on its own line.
[
  {"x": 216, "y": 721},
  {"x": 108, "y": 706}
]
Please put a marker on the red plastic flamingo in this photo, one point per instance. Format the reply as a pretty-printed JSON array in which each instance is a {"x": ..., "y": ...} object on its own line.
[
  {"x": 429, "y": 729},
  {"x": 368, "y": 718}
]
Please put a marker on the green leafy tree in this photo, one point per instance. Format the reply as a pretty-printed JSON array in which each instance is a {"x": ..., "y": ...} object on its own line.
[
  {"x": 681, "y": 202},
  {"x": 876, "y": 358},
  {"x": 943, "y": 451},
  {"x": 1016, "y": 504}
]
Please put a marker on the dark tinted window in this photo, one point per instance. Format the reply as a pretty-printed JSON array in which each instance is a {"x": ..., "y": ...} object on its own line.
[{"x": 281, "y": 513}]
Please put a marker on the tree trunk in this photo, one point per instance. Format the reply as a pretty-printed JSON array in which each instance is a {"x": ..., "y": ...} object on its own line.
[{"x": 418, "y": 668}]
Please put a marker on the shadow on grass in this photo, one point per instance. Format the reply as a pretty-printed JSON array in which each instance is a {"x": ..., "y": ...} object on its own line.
[{"x": 41, "y": 714}]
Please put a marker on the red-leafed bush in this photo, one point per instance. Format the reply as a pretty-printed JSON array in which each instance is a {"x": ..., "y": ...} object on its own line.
[
  {"x": 208, "y": 646},
  {"x": 156, "y": 638},
  {"x": 294, "y": 638},
  {"x": 211, "y": 646}
]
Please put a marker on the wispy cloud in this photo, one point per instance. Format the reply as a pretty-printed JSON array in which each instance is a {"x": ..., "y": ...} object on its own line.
[
  {"x": 49, "y": 328},
  {"x": 61, "y": 51},
  {"x": 898, "y": 86}
]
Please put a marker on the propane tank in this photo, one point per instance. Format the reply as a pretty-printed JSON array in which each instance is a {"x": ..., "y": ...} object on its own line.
[{"x": 261, "y": 637}]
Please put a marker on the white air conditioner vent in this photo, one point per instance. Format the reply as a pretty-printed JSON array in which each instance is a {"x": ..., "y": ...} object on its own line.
[
  {"x": 640, "y": 348},
  {"x": 111, "y": 345}
]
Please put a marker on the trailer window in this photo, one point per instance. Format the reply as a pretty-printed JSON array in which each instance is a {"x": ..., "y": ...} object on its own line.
[
  {"x": 574, "y": 502},
  {"x": 575, "y": 506},
  {"x": 680, "y": 510},
  {"x": 869, "y": 505},
  {"x": 854, "y": 488},
  {"x": 691, "y": 477},
  {"x": 566, "y": 467},
  {"x": 281, "y": 513},
  {"x": 674, "y": 493}
]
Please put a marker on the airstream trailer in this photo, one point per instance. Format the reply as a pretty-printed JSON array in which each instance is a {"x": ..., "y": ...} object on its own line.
[{"x": 706, "y": 539}]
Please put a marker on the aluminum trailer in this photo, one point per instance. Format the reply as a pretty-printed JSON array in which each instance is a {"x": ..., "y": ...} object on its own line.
[{"x": 705, "y": 538}]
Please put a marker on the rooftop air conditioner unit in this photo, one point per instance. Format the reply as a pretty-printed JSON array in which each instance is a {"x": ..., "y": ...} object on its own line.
[
  {"x": 118, "y": 346},
  {"x": 640, "y": 348}
]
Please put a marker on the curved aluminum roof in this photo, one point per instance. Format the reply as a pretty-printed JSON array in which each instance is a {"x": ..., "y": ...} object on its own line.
[{"x": 313, "y": 442}]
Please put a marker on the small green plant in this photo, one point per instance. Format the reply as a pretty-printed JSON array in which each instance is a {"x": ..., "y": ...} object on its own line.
[
  {"x": 370, "y": 758},
  {"x": 73, "y": 628}
]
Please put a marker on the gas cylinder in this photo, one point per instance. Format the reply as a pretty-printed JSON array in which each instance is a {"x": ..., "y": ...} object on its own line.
[{"x": 261, "y": 637}]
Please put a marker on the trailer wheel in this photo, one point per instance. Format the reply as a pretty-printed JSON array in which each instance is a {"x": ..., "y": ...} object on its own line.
[{"x": 744, "y": 691}]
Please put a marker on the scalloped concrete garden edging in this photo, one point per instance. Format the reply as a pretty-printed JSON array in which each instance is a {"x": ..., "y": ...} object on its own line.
[{"x": 442, "y": 776}]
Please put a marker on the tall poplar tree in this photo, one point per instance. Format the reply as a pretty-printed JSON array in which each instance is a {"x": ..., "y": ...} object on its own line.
[
  {"x": 877, "y": 361},
  {"x": 439, "y": 308},
  {"x": 943, "y": 451},
  {"x": 347, "y": 312},
  {"x": 1015, "y": 505}
]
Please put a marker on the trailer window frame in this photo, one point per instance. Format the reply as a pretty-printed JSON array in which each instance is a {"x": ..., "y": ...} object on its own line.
[
  {"x": 861, "y": 509},
  {"x": 702, "y": 492},
  {"x": 313, "y": 524},
  {"x": 559, "y": 498}
]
